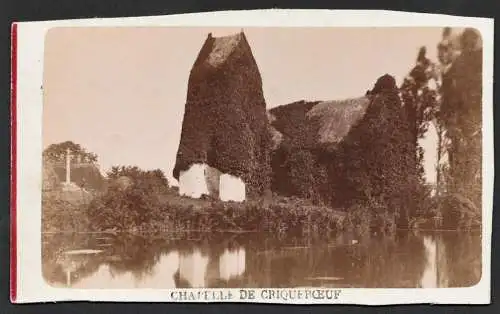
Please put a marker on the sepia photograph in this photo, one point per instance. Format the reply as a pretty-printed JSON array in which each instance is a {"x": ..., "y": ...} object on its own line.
[
  {"x": 262, "y": 157},
  {"x": 168, "y": 162}
]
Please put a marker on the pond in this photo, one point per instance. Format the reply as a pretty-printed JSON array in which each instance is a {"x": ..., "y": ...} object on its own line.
[{"x": 404, "y": 260}]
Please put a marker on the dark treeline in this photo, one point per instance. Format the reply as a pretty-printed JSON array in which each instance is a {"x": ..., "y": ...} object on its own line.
[{"x": 376, "y": 166}]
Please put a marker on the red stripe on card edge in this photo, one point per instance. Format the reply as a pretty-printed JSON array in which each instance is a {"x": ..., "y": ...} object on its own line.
[{"x": 13, "y": 173}]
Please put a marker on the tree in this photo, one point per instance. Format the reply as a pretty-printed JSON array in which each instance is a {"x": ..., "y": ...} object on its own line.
[
  {"x": 131, "y": 200},
  {"x": 57, "y": 152},
  {"x": 419, "y": 93},
  {"x": 461, "y": 116},
  {"x": 377, "y": 157},
  {"x": 153, "y": 180},
  {"x": 84, "y": 174},
  {"x": 420, "y": 100},
  {"x": 301, "y": 166}
]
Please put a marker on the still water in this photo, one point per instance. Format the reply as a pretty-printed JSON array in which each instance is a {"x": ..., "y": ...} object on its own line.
[{"x": 405, "y": 260}]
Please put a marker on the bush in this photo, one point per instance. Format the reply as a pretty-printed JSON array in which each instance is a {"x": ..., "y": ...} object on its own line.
[
  {"x": 60, "y": 214},
  {"x": 138, "y": 209},
  {"x": 123, "y": 208},
  {"x": 372, "y": 216}
]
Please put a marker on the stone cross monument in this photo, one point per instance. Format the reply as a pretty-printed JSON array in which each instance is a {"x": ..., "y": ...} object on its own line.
[{"x": 68, "y": 166}]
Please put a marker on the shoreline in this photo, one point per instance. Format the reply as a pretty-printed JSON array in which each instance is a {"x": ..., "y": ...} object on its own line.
[{"x": 164, "y": 211}]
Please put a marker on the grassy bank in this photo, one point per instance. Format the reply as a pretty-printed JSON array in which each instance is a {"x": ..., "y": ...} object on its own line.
[
  {"x": 279, "y": 216},
  {"x": 138, "y": 209},
  {"x": 167, "y": 212}
]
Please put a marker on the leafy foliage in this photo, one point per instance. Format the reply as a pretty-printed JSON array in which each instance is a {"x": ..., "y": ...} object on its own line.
[
  {"x": 375, "y": 172},
  {"x": 84, "y": 174},
  {"x": 57, "y": 152},
  {"x": 124, "y": 206},
  {"x": 138, "y": 208},
  {"x": 147, "y": 179},
  {"x": 419, "y": 94},
  {"x": 225, "y": 121},
  {"x": 461, "y": 114},
  {"x": 62, "y": 213},
  {"x": 377, "y": 157},
  {"x": 373, "y": 162},
  {"x": 50, "y": 179}
]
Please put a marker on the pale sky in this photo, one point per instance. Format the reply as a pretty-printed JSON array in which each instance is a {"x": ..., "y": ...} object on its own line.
[{"x": 120, "y": 92}]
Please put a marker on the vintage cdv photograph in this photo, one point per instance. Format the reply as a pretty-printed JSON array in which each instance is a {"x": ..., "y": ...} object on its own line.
[{"x": 280, "y": 156}]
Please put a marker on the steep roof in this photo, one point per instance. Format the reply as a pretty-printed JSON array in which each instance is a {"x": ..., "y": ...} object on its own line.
[
  {"x": 335, "y": 118},
  {"x": 222, "y": 48},
  {"x": 307, "y": 124}
]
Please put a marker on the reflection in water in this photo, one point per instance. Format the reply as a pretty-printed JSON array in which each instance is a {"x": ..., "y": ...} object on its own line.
[
  {"x": 405, "y": 260},
  {"x": 70, "y": 265},
  {"x": 232, "y": 263},
  {"x": 106, "y": 277},
  {"x": 193, "y": 268},
  {"x": 430, "y": 277}
]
